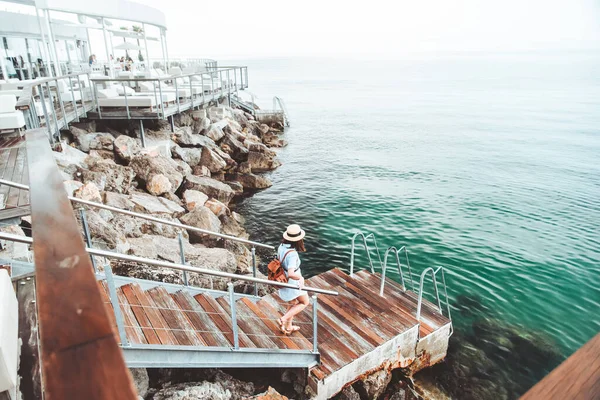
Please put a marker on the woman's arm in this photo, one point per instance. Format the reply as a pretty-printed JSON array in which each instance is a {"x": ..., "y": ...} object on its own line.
[{"x": 296, "y": 275}]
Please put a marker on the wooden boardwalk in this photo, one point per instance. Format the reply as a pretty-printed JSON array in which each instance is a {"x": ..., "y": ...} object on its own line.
[
  {"x": 13, "y": 167},
  {"x": 576, "y": 378},
  {"x": 358, "y": 330}
]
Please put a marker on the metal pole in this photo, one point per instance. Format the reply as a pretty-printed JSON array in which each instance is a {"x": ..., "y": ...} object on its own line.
[
  {"x": 234, "y": 327},
  {"x": 53, "y": 110},
  {"x": 44, "y": 43},
  {"x": 162, "y": 48},
  {"x": 146, "y": 46},
  {"x": 44, "y": 109},
  {"x": 88, "y": 239},
  {"x": 166, "y": 50},
  {"x": 142, "y": 135},
  {"x": 112, "y": 291},
  {"x": 110, "y": 66},
  {"x": 172, "y": 124},
  {"x": 62, "y": 105},
  {"x": 315, "y": 324},
  {"x": 126, "y": 102},
  {"x": 68, "y": 57},
  {"x": 73, "y": 99},
  {"x": 52, "y": 44},
  {"x": 182, "y": 254},
  {"x": 254, "y": 270}
]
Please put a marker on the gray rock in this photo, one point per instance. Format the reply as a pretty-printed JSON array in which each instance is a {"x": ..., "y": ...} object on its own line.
[
  {"x": 108, "y": 175},
  {"x": 250, "y": 181},
  {"x": 198, "y": 114},
  {"x": 70, "y": 159},
  {"x": 211, "y": 187},
  {"x": 159, "y": 184},
  {"x": 213, "y": 161},
  {"x": 92, "y": 141},
  {"x": 194, "y": 390},
  {"x": 183, "y": 119},
  {"x": 244, "y": 168},
  {"x": 218, "y": 113},
  {"x": 203, "y": 218},
  {"x": 348, "y": 394},
  {"x": 237, "y": 187},
  {"x": 230, "y": 226},
  {"x": 88, "y": 192},
  {"x": 191, "y": 156},
  {"x": 118, "y": 200},
  {"x": 374, "y": 384},
  {"x": 201, "y": 126},
  {"x": 185, "y": 138},
  {"x": 234, "y": 148},
  {"x": 261, "y": 162},
  {"x": 155, "y": 205},
  {"x": 193, "y": 199},
  {"x": 146, "y": 166},
  {"x": 217, "y": 207},
  {"x": 140, "y": 380},
  {"x": 71, "y": 186},
  {"x": 214, "y": 132},
  {"x": 10, "y": 250},
  {"x": 126, "y": 147}
]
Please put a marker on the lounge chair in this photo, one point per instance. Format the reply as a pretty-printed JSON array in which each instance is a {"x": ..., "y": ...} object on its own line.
[
  {"x": 10, "y": 118},
  {"x": 111, "y": 98}
]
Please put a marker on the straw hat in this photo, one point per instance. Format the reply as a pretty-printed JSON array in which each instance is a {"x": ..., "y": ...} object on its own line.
[{"x": 293, "y": 233}]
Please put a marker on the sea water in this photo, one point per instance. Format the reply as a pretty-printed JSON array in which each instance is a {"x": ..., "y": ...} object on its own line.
[{"x": 485, "y": 164}]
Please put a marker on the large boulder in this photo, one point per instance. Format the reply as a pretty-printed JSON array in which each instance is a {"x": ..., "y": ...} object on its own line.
[
  {"x": 219, "y": 113},
  {"x": 250, "y": 181},
  {"x": 185, "y": 138},
  {"x": 146, "y": 166},
  {"x": 261, "y": 162},
  {"x": 234, "y": 148},
  {"x": 212, "y": 160},
  {"x": 230, "y": 226},
  {"x": 126, "y": 148},
  {"x": 271, "y": 394},
  {"x": 217, "y": 207},
  {"x": 214, "y": 132},
  {"x": 193, "y": 199},
  {"x": 200, "y": 126},
  {"x": 88, "y": 192},
  {"x": 69, "y": 160},
  {"x": 108, "y": 175},
  {"x": 140, "y": 380},
  {"x": 92, "y": 141},
  {"x": 203, "y": 218},
  {"x": 159, "y": 184},
  {"x": 155, "y": 205},
  {"x": 373, "y": 385},
  {"x": 118, "y": 200},
  {"x": 191, "y": 156},
  {"x": 211, "y": 187}
]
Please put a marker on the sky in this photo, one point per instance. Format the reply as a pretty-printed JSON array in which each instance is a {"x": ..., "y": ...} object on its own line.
[{"x": 378, "y": 28}]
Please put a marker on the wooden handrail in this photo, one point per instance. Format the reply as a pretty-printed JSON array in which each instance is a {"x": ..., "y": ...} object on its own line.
[{"x": 80, "y": 355}]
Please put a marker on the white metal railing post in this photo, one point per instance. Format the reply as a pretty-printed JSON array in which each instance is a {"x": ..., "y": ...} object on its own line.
[
  {"x": 61, "y": 104},
  {"x": 254, "y": 270},
  {"x": 234, "y": 326},
  {"x": 126, "y": 102},
  {"x": 53, "y": 110},
  {"x": 182, "y": 254},
  {"x": 45, "y": 111},
  {"x": 112, "y": 291},
  {"x": 88, "y": 239},
  {"x": 315, "y": 324}
]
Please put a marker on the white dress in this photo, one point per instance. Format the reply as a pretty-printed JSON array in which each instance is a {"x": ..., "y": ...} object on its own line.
[{"x": 291, "y": 263}]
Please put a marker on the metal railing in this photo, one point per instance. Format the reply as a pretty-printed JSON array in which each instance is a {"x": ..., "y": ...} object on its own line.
[
  {"x": 199, "y": 89},
  {"x": 58, "y": 107},
  {"x": 433, "y": 273},
  {"x": 366, "y": 247},
  {"x": 88, "y": 238},
  {"x": 385, "y": 260}
]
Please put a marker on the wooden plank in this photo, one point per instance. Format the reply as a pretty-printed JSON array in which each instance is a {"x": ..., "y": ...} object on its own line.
[
  {"x": 179, "y": 325},
  {"x": 204, "y": 326},
  {"x": 8, "y": 213},
  {"x": 140, "y": 315},
  {"x": 270, "y": 321},
  {"x": 250, "y": 327},
  {"x": 132, "y": 327},
  {"x": 218, "y": 319},
  {"x": 156, "y": 319},
  {"x": 79, "y": 351},
  {"x": 578, "y": 377},
  {"x": 214, "y": 308}
]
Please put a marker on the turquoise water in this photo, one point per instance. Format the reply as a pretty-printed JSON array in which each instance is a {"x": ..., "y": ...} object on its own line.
[{"x": 488, "y": 165}]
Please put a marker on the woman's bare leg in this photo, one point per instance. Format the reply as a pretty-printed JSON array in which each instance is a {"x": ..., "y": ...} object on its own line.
[{"x": 288, "y": 317}]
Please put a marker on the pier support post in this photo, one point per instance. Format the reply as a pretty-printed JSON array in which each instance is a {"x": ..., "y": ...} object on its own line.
[
  {"x": 182, "y": 254},
  {"x": 142, "y": 135},
  {"x": 172, "y": 124}
]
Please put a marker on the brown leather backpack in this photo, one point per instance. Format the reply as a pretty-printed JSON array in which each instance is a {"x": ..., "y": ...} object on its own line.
[{"x": 276, "y": 272}]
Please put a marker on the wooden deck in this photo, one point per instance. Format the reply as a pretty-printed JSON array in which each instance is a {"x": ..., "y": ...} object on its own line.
[
  {"x": 576, "y": 378},
  {"x": 358, "y": 331},
  {"x": 13, "y": 167}
]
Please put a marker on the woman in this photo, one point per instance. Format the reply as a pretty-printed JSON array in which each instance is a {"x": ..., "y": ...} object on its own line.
[{"x": 291, "y": 245}]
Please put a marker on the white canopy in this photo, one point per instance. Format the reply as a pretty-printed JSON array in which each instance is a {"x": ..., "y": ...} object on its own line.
[{"x": 127, "y": 46}]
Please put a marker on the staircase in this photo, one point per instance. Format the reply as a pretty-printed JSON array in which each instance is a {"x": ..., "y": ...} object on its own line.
[{"x": 358, "y": 331}]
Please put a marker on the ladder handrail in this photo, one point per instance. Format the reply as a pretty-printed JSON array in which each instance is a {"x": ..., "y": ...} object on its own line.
[
  {"x": 147, "y": 217},
  {"x": 385, "y": 259},
  {"x": 437, "y": 295},
  {"x": 279, "y": 100},
  {"x": 364, "y": 240}
]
